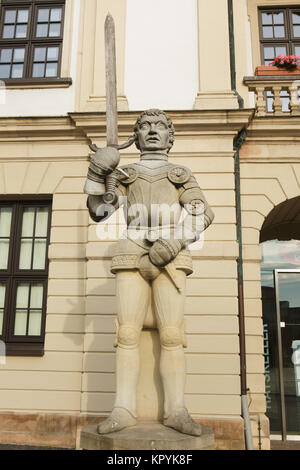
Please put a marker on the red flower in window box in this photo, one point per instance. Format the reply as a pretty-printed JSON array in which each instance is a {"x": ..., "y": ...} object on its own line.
[
  {"x": 286, "y": 61},
  {"x": 281, "y": 65}
]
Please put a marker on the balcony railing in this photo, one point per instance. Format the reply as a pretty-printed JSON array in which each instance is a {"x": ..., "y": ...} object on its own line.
[{"x": 275, "y": 95}]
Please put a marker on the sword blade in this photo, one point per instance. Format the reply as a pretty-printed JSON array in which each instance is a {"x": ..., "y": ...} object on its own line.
[{"x": 111, "y": 82}]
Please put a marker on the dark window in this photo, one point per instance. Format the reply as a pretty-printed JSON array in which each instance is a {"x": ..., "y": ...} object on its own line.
[
  {"x": 31, "y": 35},
  {"x": 279, "y": 32},
  {"x": 24, "y": 240}
]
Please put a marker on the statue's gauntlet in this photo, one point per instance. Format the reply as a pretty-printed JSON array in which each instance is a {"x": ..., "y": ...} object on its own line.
[
  {"x": 103, "y": 163},
  {"x": 164, "y": 251}
]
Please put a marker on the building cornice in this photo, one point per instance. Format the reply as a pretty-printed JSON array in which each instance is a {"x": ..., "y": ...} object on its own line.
[{"x": 93, "y": 125}]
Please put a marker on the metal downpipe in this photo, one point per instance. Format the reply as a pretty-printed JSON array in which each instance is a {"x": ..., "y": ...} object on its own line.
[
  {"x": 238, "y": 143},
  {"x": 244, "y": 400}
]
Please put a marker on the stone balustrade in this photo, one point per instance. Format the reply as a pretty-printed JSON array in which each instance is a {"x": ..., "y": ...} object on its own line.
[{"x": 275, "y": 95}]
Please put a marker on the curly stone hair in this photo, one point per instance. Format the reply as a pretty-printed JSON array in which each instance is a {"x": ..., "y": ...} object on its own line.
[{"x": 155, "y": 112}]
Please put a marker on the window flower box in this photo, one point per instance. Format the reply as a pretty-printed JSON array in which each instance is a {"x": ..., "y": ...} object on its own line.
[{"x": 264, "y": 70}]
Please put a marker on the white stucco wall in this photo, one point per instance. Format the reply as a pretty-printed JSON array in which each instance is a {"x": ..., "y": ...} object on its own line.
[
  {"x": 49, "y": 101},
  {"x": 161, "y": 54}
]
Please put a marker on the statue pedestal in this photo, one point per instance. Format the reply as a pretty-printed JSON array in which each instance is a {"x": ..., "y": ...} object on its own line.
[{"x": 146, "y": 436}]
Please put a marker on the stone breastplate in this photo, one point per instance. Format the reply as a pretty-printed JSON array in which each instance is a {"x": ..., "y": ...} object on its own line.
[
  {"x": 152, "y": 207},
  {"x": 152, "y": 194}
]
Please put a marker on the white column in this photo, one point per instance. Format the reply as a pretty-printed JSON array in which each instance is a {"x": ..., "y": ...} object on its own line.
[{"x": 214, "y": 57}]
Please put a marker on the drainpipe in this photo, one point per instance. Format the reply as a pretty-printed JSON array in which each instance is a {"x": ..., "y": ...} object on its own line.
[
  {"x": 245, "y": 411},
  {"x": 232, "y": 54},
  {"x": 237, "y": 145}
]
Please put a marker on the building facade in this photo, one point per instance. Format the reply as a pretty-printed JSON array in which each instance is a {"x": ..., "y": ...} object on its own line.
[{"x": 238, "y": 132}]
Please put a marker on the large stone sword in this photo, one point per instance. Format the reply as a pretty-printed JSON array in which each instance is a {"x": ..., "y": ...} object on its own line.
[
  {"x": 111, "y": 108},
  {"x": 111, "y": 83}
]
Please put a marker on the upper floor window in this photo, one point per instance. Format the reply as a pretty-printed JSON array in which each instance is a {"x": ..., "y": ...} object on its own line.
[
  {"x": 24, "y": 240},
  {"x": 279, "y": 32},
  {"x": 31, "y": 36}
]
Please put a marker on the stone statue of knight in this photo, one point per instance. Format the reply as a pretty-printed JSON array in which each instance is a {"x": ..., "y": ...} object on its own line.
[{"x": 153, "y": 259}]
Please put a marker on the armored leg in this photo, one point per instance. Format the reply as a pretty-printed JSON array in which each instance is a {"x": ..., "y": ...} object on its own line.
[
  {"x": 133, "y": 294},
  {"x": 169, "y": 306}
]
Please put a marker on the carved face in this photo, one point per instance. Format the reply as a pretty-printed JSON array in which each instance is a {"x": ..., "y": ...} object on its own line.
[{"x": 153, "y": 133}]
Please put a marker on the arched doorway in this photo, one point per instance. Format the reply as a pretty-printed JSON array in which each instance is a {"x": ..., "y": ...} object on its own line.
[{"x": 280, "y": 277}]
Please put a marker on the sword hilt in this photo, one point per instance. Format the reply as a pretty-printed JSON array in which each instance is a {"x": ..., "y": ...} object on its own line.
[
  {"x": 110, "y": 196},
  {"x": 111, "y": 180}
]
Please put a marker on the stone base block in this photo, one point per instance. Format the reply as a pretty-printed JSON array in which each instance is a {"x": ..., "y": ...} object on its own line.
[
  {"x": 146, "y": 436},
  {"x": 216, "y": 100}
]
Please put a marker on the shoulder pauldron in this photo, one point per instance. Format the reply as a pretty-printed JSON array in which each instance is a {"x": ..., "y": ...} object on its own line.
[{"x": 179, "y": 175}]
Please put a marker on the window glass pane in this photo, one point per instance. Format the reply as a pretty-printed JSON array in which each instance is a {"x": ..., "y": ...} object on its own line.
[
  {"x": 20, "y": 323},
  {"x": 54, "y": 30},
  {"x": 296, "y": 31},
  {"x": 35, "y": 323},
  {"x": 38, "y": 70},
  {"x": 5, "y": 55},
  {"x": 39, "y": 257},
  {"x": 55, "y": 14},
  {"x": 52, "y": 53},
  {"x": 10, "y": 16},
  {"x": 267, "y": 31},
  {"x": 25, "y": 254},
  {"x": 297, "y": 50},
  {"x": 19, "y": 55},
  {"x": 41, "y": 222},
  {"x": 39, "y": 54},
  {"x": 296, "y": 18},
  {"x": 42, "y": 30},
  {"x": 22, "y": 295},
  {"x": 279, "y": 31},
  {"x": 8, "y": 32},
  {"x": 2, "y": 295},
  {"x": 4, "y": 248},
  {"x": 5, "y": 221},
  {"x": 269, "y": 52},
  {"x": 51, "y": 70},
  {"x": 267, "y": 18},
  {"x": 22, "y": 16},
  {"x": 28, "y": 221},
  {"x": 43, "y": 15},
  {"x": 4, "y": 71},
  {"x": 21, "y": 31},
  {"x": 278, "y": 18},
  {"x": 280, "y": 50},
  {"x": 36, "y": 296},
  {"x": 17, "y": 71}
]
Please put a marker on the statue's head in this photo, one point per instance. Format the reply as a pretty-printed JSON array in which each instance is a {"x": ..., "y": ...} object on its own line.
[{"x": 154, "y": 131}]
